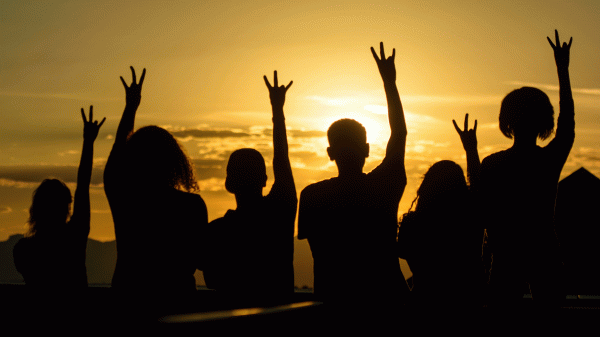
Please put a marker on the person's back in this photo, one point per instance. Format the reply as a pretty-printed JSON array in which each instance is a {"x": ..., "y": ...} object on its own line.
[
  {"x": 51, "y": 257},
  {"x": 441, "y": 239},
  {"x": 158, "y": 238},
  {"x": 150, "y": 186},
  {"x": 519, "y": 187},
  {"x": 351, "y": 226},
  {"x": 53, "y": 262},
  {"x": 351, "y": 221},
  {"x": 252, "y": 247},
  {"x": 253, "y": 253}
]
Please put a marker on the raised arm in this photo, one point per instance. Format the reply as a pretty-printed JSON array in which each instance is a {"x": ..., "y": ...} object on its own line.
[
  {"x": 133, "y": 96},
  {"x": 284, "y": 180},
  {"x": 81, "y": 203},
  {"x": 565, "y": 126},
  {"x": 132, "y": 101},
  {"x": 469, "y": 142},
  {"x": 397, "y": 142}
]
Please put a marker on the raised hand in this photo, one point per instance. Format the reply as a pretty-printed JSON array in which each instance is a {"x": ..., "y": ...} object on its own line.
[
  {"x": 467, "y": 137},
  {"x": 561, "y": 53},
  {"x": 386, "y": 66},
  {"x": 133, "y": 93},
  {"x": 276, "y": 92},
  {"x": 90, "y": 127}
]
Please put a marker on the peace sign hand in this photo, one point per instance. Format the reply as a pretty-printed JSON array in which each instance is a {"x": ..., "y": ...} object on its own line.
[
  {"x": 133, "y": 93},
  {"x": 561, "y": 53},
  {"x": 276, "y": 92},
  {"x": 90, "y": 127},
  {"x": 467, "y": 137},
  {"x": 386, "y": 66}
]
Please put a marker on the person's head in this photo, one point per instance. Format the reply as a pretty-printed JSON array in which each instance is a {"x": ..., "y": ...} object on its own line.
[
  {"x": 156, "y": 159},
  {"x": 526, "y": 111},
  {"x": 246, "y": 172},
  {"x": 51, "y": 206},
  {"x": 348, "y": 145},
  {"x": 443, "y": 185}
]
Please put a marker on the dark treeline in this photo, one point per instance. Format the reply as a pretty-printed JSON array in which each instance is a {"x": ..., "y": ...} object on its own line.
[{"x": 500, "y": 216}]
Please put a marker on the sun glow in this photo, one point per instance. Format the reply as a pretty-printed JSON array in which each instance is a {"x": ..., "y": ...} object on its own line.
[{"x": 376, "y": 126}]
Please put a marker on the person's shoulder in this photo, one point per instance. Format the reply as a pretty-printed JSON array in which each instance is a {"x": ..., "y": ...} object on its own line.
[
  {"x": 21, "y": 244},
  {"x": 227, "y": 218},
  {"x": 319, "y": 187},
  {"x": 496, "y": 158},
  {"x": 23, "y": 247},
  {"x": 187, "y": 198}
]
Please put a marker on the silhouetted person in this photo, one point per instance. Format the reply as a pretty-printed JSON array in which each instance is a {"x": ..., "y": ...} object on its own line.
[
  {"x": 151, "y": 189},
  {"x": 519, "y": 190},
  {"x": 252, "y": 247},
  {"x": 441, "y": 239},
  {"x": 351, "y": 220},
  {"x": 51, "y": 256}
]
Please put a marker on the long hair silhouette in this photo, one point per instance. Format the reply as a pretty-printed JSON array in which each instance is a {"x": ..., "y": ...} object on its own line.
[
  {"x": 50, "y": 207},
  {"x": 443, "y": 185},
  {"x": 155, "y": 158}
]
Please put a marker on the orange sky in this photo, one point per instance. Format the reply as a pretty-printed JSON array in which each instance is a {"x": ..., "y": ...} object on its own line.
[{"x": 205, "y": 61}]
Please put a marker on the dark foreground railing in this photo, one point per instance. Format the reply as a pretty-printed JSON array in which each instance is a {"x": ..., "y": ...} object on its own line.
[{"x": 98, "y": 308}]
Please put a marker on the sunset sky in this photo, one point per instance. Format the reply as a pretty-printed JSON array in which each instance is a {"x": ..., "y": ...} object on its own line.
[{"x": 205, "y": 61}]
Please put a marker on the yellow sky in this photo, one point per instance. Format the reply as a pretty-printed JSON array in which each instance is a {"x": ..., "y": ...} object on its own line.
[{"x": 205, "y": 61}]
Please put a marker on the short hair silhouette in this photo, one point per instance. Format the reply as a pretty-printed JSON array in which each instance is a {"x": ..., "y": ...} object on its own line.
[
  {"x": 346, "y": 132},
  {"x": 51, "y": 205},
  {"x": 528, "y": 109},
  {"x": 443, "y": 182},
  {"x": 155, "y": 158},
  {"x": 246, "y": 171}
]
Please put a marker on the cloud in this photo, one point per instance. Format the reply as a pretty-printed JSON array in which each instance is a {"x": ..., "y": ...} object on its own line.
[
  {"x": 50, "y": 95},
  {"x": 306, "y": 134},
  {"x": 69, "y": 152},
  {"x": 24, "y": 175},
  {"x": 460, "y": 99},
  {"x": 197, "y": 133},
  {"x": 377, "y": 109},
  {"x": 18, "y": 184},
  {"x": 553, "y": 87},
  {"x": 585, "y": 156},
  {"x": 212, "y": 185},
  {"x": 5, "y": 209}
]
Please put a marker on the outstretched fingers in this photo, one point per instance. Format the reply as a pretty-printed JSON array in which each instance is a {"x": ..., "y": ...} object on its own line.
[
  {"x": 557, "y": 44},
  {"x": 466, "y": 125},
  {"x": 267, "y": 82},
  {"x": 133, "y": 78},
  {"x": 275, "y": 82},
  {"x": 382, "y": 53},
  {"x": 132, "y": 74},
  {"x": 456, "y": 127},
  {"x": 85, "y": 120},
  {"x": 142, "y": 78},
  {"x": 375, "y": 54}
]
